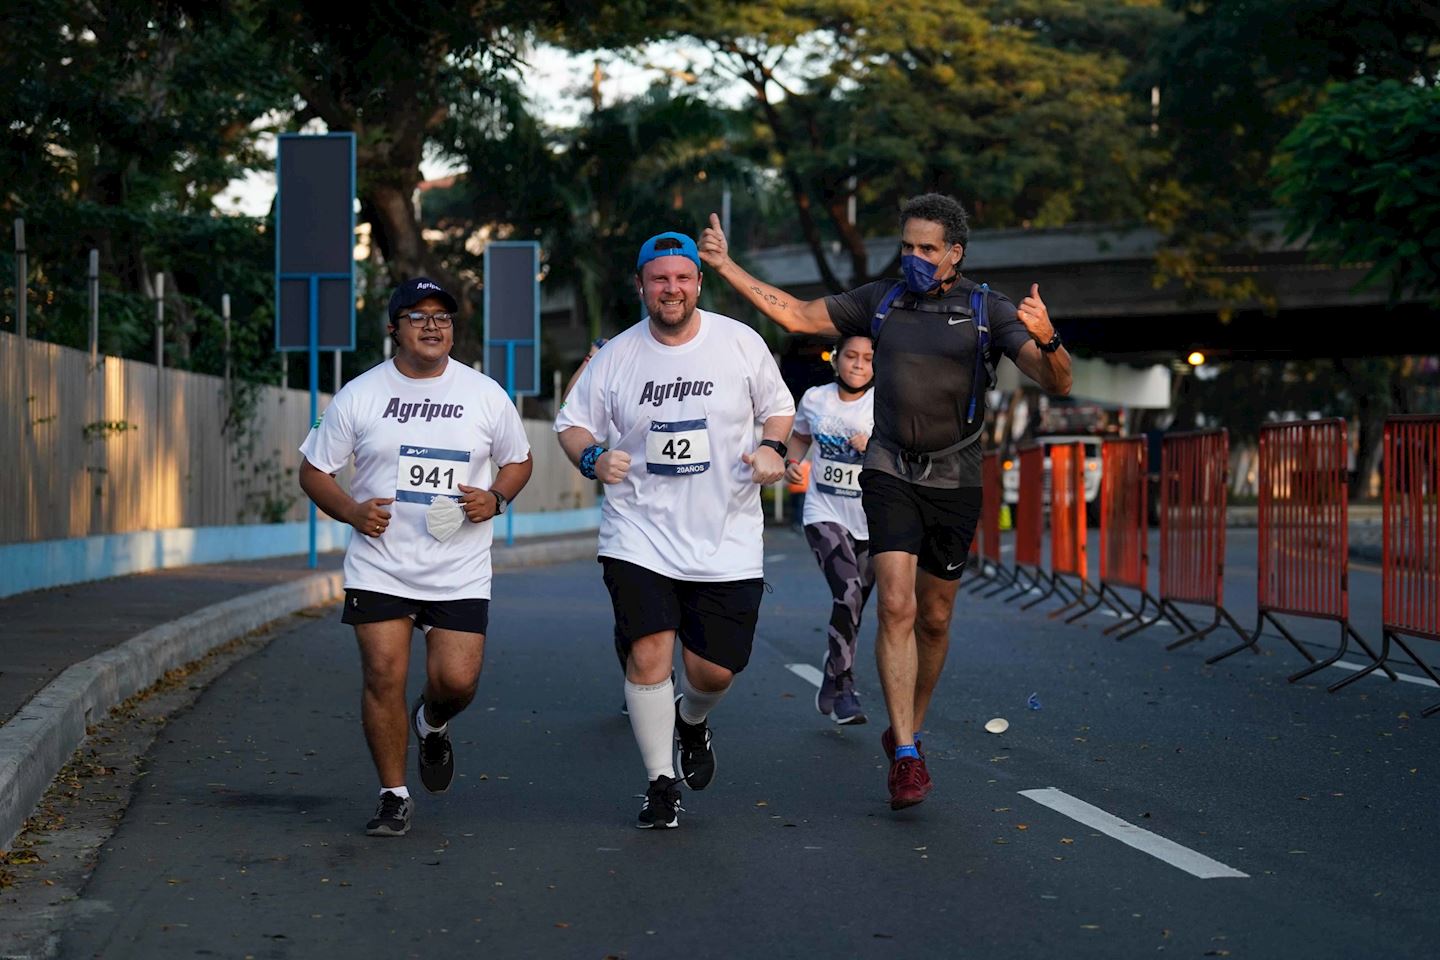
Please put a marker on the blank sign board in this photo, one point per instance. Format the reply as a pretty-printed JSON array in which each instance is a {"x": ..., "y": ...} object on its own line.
[
  {"x": 315, "y": 241},
  {"x": 512, "y": 316}
]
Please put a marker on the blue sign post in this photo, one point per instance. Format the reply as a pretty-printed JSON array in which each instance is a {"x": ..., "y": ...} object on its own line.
[
  {"x": 512, "y": 323},
  {"x": 314, "y": 254}
]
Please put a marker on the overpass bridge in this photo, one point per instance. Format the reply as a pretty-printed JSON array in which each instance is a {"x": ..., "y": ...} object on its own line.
[
  {"x": 1098, "y": 282},
  {"x": 1125, "y": 332}
]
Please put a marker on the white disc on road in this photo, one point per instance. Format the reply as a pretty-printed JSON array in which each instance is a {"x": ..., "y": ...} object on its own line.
[{"x": 998, "y": 725}]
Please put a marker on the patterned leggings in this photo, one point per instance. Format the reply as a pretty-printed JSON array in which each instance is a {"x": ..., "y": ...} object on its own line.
[{"x": 846, "y": 565}]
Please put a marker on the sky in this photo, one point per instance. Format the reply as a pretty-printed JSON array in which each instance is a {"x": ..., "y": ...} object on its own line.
[{"x": 558, "y": 82}]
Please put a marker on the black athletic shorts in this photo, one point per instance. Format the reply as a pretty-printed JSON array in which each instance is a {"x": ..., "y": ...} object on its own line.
[
  {"x": 715, "y": 620},
  {"x": 935, "y": 524},
  {"x": 464, "y": 616}
]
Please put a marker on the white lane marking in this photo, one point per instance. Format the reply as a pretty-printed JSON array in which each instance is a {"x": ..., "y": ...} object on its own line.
[
  {"x": 774, "y": 557},
  {"x": 1007, "y": 548},
  {"x": 1183, "y": 858},
  {"x": 806, "y": 672},
  {"x": 1347, "y": 665}
]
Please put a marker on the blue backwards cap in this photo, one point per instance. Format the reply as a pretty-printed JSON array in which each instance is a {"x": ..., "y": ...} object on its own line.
[{"x": 683, "y": 246}]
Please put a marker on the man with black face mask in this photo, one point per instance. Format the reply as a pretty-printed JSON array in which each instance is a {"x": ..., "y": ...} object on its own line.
[
  {"x": 936, "y": 337},
  {"x": 836, "y": 420}
]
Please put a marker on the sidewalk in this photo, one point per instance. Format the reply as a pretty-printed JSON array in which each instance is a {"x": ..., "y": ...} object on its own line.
[{"x": 112, "y": 638}]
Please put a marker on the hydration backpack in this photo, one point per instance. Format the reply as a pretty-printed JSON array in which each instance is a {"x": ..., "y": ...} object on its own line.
[{"x": 978, "y": 311}]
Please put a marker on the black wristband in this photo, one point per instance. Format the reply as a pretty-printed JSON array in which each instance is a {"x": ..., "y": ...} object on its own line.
[
  {"x": 777, "y": 446},
  {"x": 1052, "y": 346}
]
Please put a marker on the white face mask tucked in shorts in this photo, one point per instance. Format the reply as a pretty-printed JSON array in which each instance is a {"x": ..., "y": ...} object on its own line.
[{"x": 443, "y": 518}]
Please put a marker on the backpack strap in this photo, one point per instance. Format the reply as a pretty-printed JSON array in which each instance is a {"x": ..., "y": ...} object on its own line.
[
  {"x": 980, "y": 308},
  {"x": 909, "y": 462},
  {"x": 882, "y": 312}
]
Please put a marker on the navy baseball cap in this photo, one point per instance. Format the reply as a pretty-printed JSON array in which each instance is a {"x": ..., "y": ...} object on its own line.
[
  {"x": 668, "y": 244},
  {"x": 413, "y": 291}
]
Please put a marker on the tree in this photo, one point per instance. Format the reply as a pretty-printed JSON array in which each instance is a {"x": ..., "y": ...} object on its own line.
[
  {"x": 590, "y": 194},
  {"x": 392, "y": 74},
  {"x": 1360, "y": 177},
  {"x": 125, "y": 120},
  {"x": 1235, "y": 78},
  {"x": 1018, "y": 108}
]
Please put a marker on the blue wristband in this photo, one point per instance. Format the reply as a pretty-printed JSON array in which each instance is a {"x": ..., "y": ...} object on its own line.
[{"x": 588, "y": 458}]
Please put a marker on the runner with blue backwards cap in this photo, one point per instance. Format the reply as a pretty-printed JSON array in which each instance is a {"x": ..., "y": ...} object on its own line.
[
  {"x": 937, "y": 334},
  {"x": 423, "y": 431},
  {"x": 678, "y": 397}
]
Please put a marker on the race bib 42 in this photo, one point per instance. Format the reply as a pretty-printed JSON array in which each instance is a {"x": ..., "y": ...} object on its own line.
[{"x": 677, "y": 448}]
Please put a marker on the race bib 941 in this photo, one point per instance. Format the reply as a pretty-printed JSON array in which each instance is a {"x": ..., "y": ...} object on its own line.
[
  {"x": 677, "y": 448},
  {"x": 429, "y": 472}
]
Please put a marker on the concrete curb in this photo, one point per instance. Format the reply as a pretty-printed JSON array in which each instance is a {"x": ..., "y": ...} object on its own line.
[
  {"x": 43, "y": 734},
  {"x": 41, "y": 737}
]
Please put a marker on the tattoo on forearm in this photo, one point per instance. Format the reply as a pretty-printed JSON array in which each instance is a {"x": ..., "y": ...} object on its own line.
[{"x": 769, "y": 298}]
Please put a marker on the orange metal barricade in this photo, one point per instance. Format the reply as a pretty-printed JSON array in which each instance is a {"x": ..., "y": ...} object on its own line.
[
  {"x": 990, "y": 568},
  {"x": 1304, "y": 529},
  {"x": 1411, "y": 566},
  {"x": 1067, "y": 526},
  {"x": 1125, "y": 534},
  {"x": 1193, "y": 472},
  {"x": 1029, "y": 519}
]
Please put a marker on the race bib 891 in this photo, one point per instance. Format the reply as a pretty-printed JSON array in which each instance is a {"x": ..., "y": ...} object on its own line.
[
  {"x": 428, "y": 472},
  {"x": 836, "y": 478},
  {"x": 677, "y": 448}
]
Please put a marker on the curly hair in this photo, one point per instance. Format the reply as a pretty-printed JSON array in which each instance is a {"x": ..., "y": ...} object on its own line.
[{"x": 938, "y": 208}]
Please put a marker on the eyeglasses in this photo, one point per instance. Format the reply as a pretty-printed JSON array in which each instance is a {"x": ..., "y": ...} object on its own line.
[{"x": 418, "y": 319}]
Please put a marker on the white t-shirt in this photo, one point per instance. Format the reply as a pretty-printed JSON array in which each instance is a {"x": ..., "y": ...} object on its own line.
[
  {"x": 834, "y": 495},
  {"x": 414, "y": 440},
  {"x": 688, "y": 508}
]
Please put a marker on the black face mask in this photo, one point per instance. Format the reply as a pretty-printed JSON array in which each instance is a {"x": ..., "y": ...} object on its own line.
[{"x": 845, "y": 386}]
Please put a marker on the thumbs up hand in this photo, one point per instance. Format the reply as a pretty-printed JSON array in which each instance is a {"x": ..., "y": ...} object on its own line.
[
  {"x": 1033, "y": 313},
  {"x": 714, "y": 248}
]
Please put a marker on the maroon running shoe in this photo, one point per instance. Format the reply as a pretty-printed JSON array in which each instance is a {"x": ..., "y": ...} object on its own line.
[{"x": 909, "y": 783}]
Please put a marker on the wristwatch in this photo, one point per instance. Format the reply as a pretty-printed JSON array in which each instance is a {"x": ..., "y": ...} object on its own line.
[
  {"x": 500, "y": 502},
  {"x": 1052, "y": 346},
  {"x": 777, "y": 446}
]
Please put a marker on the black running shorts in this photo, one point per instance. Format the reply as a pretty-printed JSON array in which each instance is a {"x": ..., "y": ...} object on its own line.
[
  {"x": 935, "y": 524},
  {"x": 715, "y": 620},
  {"x": 463, "y": 616}
]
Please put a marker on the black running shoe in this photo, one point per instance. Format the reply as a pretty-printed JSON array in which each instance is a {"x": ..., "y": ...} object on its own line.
[
  {"x": 662, "y": 805},
  {"x": 437, "y": 760},
  {"x": 392, "y": 817},
  {"x": 697, "y": 756}
]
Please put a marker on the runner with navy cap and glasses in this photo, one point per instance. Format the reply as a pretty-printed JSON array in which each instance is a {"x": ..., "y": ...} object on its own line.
[
  {"x": 423, "y": 430},
  {"x": 679, "y": 396}
]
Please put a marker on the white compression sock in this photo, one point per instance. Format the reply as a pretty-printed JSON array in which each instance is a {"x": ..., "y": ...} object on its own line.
[
  {"x": 401, "y": 791},
  {"x": 695, "y": 705},
  {"x": 652, "y": 718}
]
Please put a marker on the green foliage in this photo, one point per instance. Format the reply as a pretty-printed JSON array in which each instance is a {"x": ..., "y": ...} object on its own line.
[
  {"x": 1018, "y": 107},
  {"x": 1361, "y": 177},
  {"x": 126, "y": 120},
  {"x": 591, "y": 194},
  {"x": 1235, "y": 77}
]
